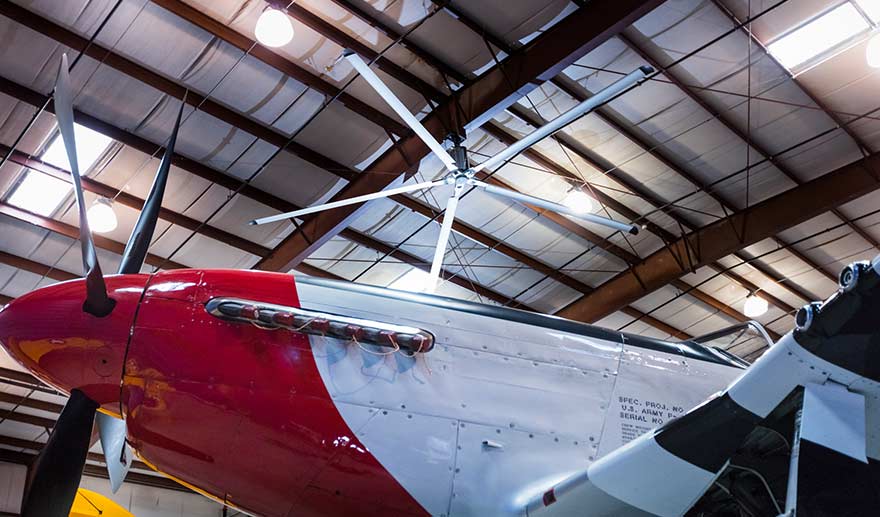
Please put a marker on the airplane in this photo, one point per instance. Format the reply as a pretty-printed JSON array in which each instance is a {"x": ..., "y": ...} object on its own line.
[{"x": 284, "y": 395}]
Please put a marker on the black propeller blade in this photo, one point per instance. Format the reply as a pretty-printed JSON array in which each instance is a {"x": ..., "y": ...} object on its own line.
[
  {"x": 139, "y": 242},
  {"x": 55, "y": 475},
  {"x": 97, "y": 303}
]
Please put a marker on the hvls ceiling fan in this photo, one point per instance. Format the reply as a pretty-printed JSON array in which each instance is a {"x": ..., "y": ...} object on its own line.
[{"x": 461, "y": 174}]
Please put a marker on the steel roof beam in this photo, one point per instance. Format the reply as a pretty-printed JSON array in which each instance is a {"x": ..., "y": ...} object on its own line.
[
  {"x": 725, "y": 236},
  {"x": 36, "y": 268},
  {"x": 163, "y": 84},
  {"x": 401, "y": 36},
  {"x": 286, "y": 67},
  {"x": 311, "y": 270},
  {"x": 60, "y": 227},
  {"x": 576, "y": 91},
  {"x": 20, "y": 376},
  {"x": 667, "y": 236},
  {"x": 149, "y": 148},
  {"x": 863, "y": 146},
  {"x": 234, "y": 38},
  {"x": 278, "y": 62},
  {"x": 631, "y": 258},
  {"x": 473, "y": 25},
  {"x": 336, "y": 35},
  {"x": 565, "y": 84},
  {"x": 821, "y": 105},
  {"x": 568, "y": 86},
  {"x": 743, "y": 135},
  {"x": 169, "y": 87},
  {"x": 23, "y": 458},
  {"x": 103, "y": 242},
  {"x": 203, "y": 171},
  {"x": 31, "y": 445},
  {"x": 30, "y": 402},
  {"x": 124, "y": 198},
  {"x": 25, "y": 418}
]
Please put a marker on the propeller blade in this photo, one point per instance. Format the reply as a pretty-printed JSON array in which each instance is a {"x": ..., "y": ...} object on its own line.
[
  {"x": 117, "y": 453},
  {"x": 55, "y": 475},
  {"x": 556, "y": 207},
  {"x": 97, "y": 303},
  {"x": 399, "y": 108},
  {"x": 349, "y": 201},
  {"x": 139, "y": 242},
  {"x": 605, "y": 95},
  {"x": 442, "y": 240}
]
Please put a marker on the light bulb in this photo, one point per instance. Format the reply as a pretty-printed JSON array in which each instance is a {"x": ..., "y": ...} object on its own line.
[
  {"x": 872, "y": 52},
  {"x": 414, "y": 280},
  {"x": 754, "y": 306},
  {"x": 102, "y": 218},
  {"x": 578, "y": 201},
  {"x": 273, "y": 28}
]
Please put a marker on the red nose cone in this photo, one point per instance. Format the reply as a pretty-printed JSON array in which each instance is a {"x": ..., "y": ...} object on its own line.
[{"x": 49, "y": 334}]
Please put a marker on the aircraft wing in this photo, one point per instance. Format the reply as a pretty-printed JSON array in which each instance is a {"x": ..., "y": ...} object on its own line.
[{"x": 821, "y": 379}]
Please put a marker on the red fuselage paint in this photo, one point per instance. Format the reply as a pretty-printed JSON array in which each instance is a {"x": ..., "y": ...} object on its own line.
[
  {"x": 48, "y": 332},
  {"x": 236, "y": 411}
]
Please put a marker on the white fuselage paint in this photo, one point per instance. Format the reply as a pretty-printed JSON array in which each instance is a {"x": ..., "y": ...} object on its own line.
[{"x": 500, "y": 410}]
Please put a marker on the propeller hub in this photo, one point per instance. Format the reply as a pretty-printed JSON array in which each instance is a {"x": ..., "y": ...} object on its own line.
[{"x": 48, "y": 332}]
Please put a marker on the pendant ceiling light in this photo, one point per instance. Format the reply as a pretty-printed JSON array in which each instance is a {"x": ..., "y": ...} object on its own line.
[
  {"x": 273, "y": 28},
  {"x": 578, "y": 201},
  {"x": 102, "y": 218},
  {"x": 754, "y": 306}
]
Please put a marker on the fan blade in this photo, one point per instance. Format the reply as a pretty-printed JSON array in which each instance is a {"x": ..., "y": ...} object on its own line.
[
  {"x": 54, "y": 476},
  {"x": 97, "y": 303},
  {"x": 605, "y": 95},
  {"x": 117, "y": 453},
  {"x": 442, "y": 240},
  {"x": 348, "y": 201},
  {"x": 139, "y": 242},
  {"x": 556, "y": 207},
  {"x": 399, "y": 108}
]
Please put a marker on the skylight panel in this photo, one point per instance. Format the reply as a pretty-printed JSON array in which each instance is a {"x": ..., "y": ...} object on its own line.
[
  {"x": 40, "y": 193},
  {"x": 871, "y": 8},
  {"x": 818, "y": 36},
  {"x": 90, "y": 145}
]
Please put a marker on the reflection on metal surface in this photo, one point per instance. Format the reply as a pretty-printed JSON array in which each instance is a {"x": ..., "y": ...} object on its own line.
[
  {"x": 361, "y": 331},
  {"x": 384, "y": 296},
  {"x": 747, "y": 338}
]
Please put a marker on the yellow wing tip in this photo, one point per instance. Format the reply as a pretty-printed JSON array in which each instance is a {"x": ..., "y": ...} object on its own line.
[{"x": 87, "y": 503}]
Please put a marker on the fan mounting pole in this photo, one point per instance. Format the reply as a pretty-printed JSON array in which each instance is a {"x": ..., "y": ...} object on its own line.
[
  {"x": 458, "y": 151},
  {"x": 462, "y": 176}
]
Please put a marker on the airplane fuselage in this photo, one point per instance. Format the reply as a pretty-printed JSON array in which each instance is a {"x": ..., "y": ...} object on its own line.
[{"x": 281, "y": 423}]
